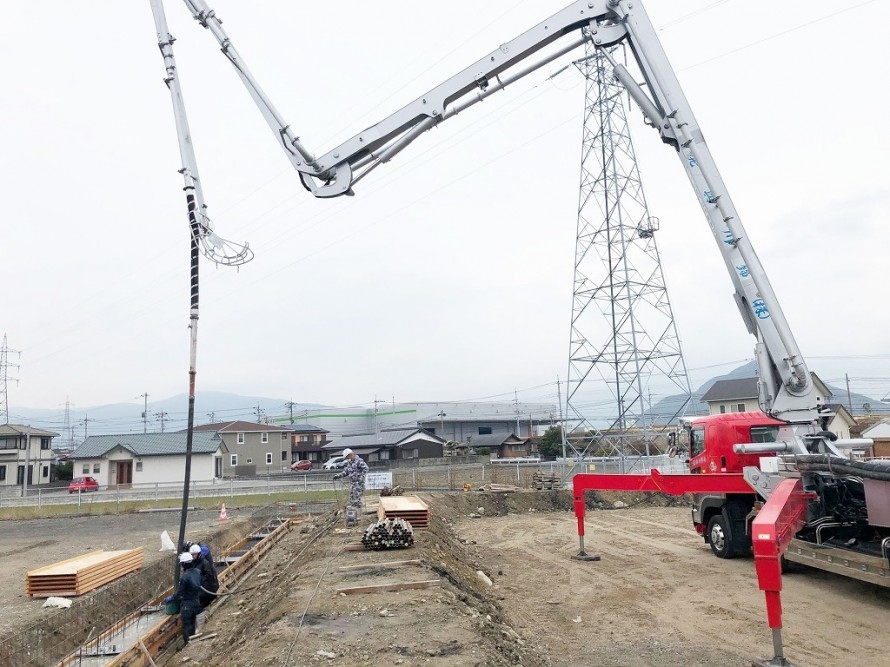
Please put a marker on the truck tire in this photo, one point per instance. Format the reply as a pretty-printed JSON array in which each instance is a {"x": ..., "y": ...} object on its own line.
[{"x": 720, "y": 537}]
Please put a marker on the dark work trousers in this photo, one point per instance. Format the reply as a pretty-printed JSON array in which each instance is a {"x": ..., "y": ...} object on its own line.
[{"x": 188, "y": 611}]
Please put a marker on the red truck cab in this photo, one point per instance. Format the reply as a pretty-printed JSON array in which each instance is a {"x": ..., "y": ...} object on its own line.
[
  {"x": 711, "y": 440},
  {"x": 723, "y": 520}
]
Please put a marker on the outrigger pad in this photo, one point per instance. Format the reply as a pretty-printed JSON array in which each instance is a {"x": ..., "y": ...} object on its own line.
[
  {"x": 583, "y": 555},
  {"x": 772, "y": 662}
]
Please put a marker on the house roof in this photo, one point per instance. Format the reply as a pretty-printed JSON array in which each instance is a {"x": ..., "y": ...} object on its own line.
[
  {"x": 388, "y": 438},
  {"x": 494, "y": 440},
  {"x": 305, "y": 428},
  {"x": 241, "y": 427},
  {"x": 148, "y": 444},
  {"x": 730, "y": 390},
  {"x": 19, "y": 429},
  {"x": 879, "y": 430},
  {"x": 841, "y": 410}
]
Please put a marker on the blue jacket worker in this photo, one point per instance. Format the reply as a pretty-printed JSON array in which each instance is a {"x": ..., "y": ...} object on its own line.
[
  {"x": 355, "y": 469},
  {"x": 203, "y": 562},
  {"x": 188, "y": 595}
]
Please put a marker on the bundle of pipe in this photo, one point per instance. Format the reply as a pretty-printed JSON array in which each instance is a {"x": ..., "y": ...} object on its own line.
[
  {"x": 837, "y": 465},
  {"x": 388, "y": 534}
]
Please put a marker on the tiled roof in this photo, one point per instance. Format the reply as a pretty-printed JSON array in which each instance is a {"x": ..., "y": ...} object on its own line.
[
  {"x": 241, "y": 427},
  {"x": 18, "y": 429},
  {"x": 147, "y": 444},
  {"x": 493, "y": 440},
  {"x": 382, "y": 439},
  {"x": 305, "y": 428},
  {"x": 730, "y": 390}
]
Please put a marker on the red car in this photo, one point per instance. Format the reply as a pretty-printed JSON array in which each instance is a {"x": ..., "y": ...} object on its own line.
[
  {"x": 301, "y": 465},
  {"x": 83, "y": 484}
]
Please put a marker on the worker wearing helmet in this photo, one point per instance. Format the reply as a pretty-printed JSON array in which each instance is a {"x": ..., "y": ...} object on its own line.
[
  {"x": 355, "y": 469},
  {"x": 188, "y": 595}
]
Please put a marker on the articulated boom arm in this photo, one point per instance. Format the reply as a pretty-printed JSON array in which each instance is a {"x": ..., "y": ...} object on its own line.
[{"x": 786, "y": 389}]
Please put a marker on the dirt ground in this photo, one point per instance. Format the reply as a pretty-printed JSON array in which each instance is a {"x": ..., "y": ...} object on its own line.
[
  {"x": 28, "y": 545},
  {"x": 657, "y": 598}
]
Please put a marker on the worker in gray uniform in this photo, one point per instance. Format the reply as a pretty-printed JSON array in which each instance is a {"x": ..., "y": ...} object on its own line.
[{"x": 355, "y": 469}]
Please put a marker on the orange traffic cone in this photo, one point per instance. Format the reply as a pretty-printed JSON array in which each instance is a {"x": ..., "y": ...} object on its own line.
[{"x": 222, "y": 514}]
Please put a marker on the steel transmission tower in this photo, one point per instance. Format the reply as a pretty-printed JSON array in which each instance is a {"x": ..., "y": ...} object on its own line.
[
  {"x": 4, "y": 380},
  {"x": 624, "y": 352}
]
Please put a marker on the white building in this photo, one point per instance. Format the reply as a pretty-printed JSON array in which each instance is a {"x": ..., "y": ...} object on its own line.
[
  {"x": 25, "y": 447},
  {"x": 123, "y": 460}
]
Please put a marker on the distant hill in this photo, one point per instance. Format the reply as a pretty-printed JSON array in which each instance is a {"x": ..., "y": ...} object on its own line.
[{"x": 127, "y": 417}]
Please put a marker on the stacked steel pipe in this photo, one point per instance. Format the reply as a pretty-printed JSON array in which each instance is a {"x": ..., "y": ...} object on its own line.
[{"x": 388, "y": 534}]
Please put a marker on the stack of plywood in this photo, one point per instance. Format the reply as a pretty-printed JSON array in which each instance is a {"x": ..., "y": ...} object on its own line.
[
  {"x": 410, "y": 508},
  {"x": 82, "y": 574}
]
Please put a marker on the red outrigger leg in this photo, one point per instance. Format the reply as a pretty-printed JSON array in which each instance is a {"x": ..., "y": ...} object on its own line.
[{"x": 772, "y": 530}]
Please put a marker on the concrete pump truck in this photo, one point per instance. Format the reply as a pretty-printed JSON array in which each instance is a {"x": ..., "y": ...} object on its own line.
[{"x": 775, "y": 482}]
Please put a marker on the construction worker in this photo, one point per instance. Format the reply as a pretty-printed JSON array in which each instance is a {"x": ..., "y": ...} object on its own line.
[
  {"x": 355, "y": 469},
  {"x": 188, "y": 595},
  {"x": 209, "y": 581}
]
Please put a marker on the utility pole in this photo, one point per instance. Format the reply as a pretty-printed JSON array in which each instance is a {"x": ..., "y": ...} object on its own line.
[
  {"x": 442, "y": 416},
  {"x": 212, "y": 417},
  {"x": 290, "y": 406},
  {"x": 4, "y": 379},
  {"x": 516, "y": 411},
  {"x": 144, "y": 412},
  {"x": 161, "y": 417},
  {"x": 562, "y": 425},
  {"x": 85, "y": 421},
  {"x": 849, "y": 395},
  {"x": 260, "y": 415}
]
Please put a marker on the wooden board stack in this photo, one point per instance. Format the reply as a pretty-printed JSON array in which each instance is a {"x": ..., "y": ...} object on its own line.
[
  {"x": 410, "y": 508},
  {"x": 82, "y": 574}
]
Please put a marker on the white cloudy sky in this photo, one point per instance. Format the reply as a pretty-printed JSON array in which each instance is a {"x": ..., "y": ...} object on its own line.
[{"x": 449, "y": 275}]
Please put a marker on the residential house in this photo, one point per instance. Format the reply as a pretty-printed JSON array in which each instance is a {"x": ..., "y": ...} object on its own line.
[
  {"x": 25, "y": 448},
  {"x": 880, "y": 434},
  {"x": 389, "y": 445},
  {"x": 741, "y": 395},
  {"x": 842, "y": 422},
  {"x": 119, "y": 461},
  {"x": 306, "y": 442},
  {"x": 253, "y": 449},
  {"x": 501, "y": 446}
]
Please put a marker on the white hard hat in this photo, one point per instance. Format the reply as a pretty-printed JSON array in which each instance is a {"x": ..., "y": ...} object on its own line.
[
  {"x": 185, "y": 558},
  {"x": 195, "y": 549},
  {"x": 347, "y": 452}
]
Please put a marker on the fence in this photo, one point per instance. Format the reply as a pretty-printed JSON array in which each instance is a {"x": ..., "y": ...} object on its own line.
[{"x": 303, "y": 486}]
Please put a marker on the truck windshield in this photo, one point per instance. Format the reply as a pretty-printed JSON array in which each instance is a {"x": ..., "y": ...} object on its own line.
[{"x": 764, "y": 433}]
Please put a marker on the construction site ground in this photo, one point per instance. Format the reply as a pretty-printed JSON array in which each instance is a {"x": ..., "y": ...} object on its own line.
[{"x": 657, "y": 597}]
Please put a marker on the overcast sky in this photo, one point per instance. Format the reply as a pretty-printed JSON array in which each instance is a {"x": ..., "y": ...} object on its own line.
[{"x": 448, "y": 276}]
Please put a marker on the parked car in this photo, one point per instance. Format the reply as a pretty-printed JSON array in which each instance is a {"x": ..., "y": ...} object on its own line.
[
  {"x": 83, "y": 484},
  {"x": 334, "y": 462},
  {"x": 301, "y": 465}
]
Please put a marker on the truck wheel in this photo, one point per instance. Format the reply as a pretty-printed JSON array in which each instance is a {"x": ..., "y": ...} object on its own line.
[{"x": 719, "y": 537}]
